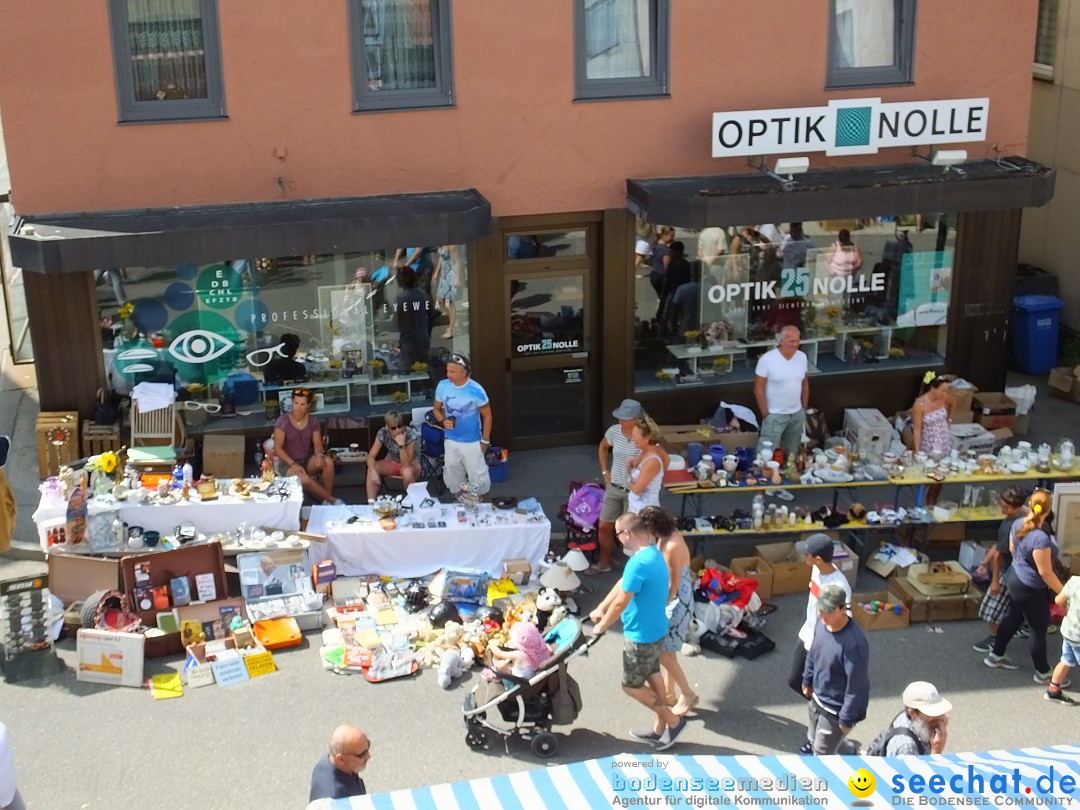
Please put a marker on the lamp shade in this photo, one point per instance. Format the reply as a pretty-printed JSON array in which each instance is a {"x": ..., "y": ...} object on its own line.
[
  {"x": 560, "y": 578},
  {"x": 575, "y": 558}
]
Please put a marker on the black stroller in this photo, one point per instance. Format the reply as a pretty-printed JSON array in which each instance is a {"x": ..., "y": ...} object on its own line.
[{"x": 529, "y": 708}]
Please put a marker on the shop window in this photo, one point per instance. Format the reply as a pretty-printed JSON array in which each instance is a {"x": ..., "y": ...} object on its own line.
[
  {"x": 620, "y": 48},
  {"x": 546, "y": 315},
  {"x": 168, "y": 59},
  {"x": 871, "y": 42},
  {"x": 1046, "y": 40},
  {"x": 401, "y": 54},
  {"x": 546, "y": 245},
  {"x": 366, "y": 331},
  {"x": 866, "y": 294}
]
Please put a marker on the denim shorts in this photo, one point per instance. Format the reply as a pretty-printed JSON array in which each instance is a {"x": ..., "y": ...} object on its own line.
[
  {"x": 1070, "y": 652},
  {"x": 639, "y": 661}
]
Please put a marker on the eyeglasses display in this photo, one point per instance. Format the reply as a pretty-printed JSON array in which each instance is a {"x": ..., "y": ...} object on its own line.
[{"x": 195, "y": 405}]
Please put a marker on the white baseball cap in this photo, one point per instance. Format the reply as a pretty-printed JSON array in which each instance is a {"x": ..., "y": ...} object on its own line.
[{"x": 924, "y": 697}]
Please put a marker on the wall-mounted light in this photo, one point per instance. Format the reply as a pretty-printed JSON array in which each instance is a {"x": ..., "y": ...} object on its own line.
[
  {"x": 948, "y": 157},
  {"x": 785, "y": 169}
]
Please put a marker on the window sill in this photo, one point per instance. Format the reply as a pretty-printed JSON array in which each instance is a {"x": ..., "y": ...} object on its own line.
[
  {"x": 192, "y": 120},
  {"x": 405, "y": 106},
  {"x": 627, "y": 97}
]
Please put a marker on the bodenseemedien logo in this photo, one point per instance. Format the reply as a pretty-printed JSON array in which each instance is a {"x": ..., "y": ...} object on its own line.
[{"x": 852, "y": 126}]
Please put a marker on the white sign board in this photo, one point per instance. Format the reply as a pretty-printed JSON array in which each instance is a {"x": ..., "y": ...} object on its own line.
[{"x": 859, "y": 126}]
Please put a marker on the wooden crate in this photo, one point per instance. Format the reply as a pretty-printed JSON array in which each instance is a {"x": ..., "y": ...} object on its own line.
[
  {"x": 99, "y": 438},
  {"x": 57, "y": 440}
]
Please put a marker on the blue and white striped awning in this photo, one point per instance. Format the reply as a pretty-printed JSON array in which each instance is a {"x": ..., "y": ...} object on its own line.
[{"x": 1026, "y": 778}]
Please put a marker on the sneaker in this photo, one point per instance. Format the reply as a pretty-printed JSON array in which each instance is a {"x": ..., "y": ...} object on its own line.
[
  {"x": 1045, "y": 680},
  {"x": 1004, "y": 662},
  {"x": 645, "y": 735},
  {"x": 667, "y": 739},
  {"x": 984, "y": 646},
  {"x": 1051, "y": 629},
  {"x": 1059, "y": 697},
  {"x": 806, "y": 749},
  {"x": 1023, "y": 632}
]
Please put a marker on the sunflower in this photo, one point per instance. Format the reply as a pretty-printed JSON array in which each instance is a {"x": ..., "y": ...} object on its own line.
[{"x": 108, "y": 462}]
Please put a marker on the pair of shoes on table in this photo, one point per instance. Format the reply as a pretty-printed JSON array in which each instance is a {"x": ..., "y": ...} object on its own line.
[
  {"x": 984, "y": 646},
  {"x": 1038, "y": 677},
  {"x": 684, "y": 706},
  {"x": 593, "y": 570},
  {"x": 1000, "y": 662},
  {"x": 667, "y": 739}
]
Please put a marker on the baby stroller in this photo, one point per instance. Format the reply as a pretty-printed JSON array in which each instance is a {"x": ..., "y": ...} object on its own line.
[
  {"x": 581, "y": 513},
  {"x": 529, "y": 708}
]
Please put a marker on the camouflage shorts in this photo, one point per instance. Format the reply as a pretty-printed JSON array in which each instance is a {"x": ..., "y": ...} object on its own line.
[{"x": 639, "y": 661}]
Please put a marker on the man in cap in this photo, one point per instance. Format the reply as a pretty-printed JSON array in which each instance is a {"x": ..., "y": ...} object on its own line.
[
  {"x": 463, "y": 409},
  {"x": 836, "y": 677},
  {"x": 336, "y": 776},
  {"x": 817, "y": 551},
  {"x": 615, "y": 473},
  {"x": 923, "y": 726}
]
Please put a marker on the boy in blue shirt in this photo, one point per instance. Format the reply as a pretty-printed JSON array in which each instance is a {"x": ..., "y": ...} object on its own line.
[
  {"x": 640, "y": 598},
  {"x": 462, "y": 406}
]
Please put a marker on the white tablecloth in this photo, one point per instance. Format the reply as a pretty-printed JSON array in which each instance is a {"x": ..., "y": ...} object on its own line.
[
  {"x": 358, "y": 549},
  {"x": 221, "y": 515}
]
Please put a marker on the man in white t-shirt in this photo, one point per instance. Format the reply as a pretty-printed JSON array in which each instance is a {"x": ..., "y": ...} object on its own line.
[
  {"x": 621, "y": 447},
  {"x": 817, "y": 550},
  {"x": 782, "y": 391}
]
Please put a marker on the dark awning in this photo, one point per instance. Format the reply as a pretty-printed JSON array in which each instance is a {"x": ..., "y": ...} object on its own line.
[
  {"x": 910, "y": 188},
  {"x": 60, "y": 243}
]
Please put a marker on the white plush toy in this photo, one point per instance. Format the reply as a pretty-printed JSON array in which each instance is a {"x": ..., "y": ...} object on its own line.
[
  {"x": 547, "y": 602},
  {"x": 692, "y": 645},
  {"x": 451, "y": 666}
]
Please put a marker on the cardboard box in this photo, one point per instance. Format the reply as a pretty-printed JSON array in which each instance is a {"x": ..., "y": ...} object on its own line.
[
  {"x": 1021, "y": 424},
  {"x": 885, "y": 620},
  {"x": 957, "y": 607},
  {"x": 517, "y": 570},
  {"x": 915, "y": 572},
  {"x": 186, "y": 561},
  {"x": 757, "y": 568},
  {"x": 971, "y": 554},
  {"x": 791, "y": 574},
  {"x": 675, "y": 438},
  {"x": 973, "y": 437},
  {"x": 946, "y": 532},
  {"x": 73, "y": 577},
  {"x": 223, "y": 455},
  {"x": 887, "y": 568},
  {"x": 847, "y": 561},
  {"x": 1065, "y": 383},
  {"x": 867, "y": 430},
  {"x": 108, "y": 657},
  {"x": 962, "y": 398},
  {"x": 994, "y": 409}
]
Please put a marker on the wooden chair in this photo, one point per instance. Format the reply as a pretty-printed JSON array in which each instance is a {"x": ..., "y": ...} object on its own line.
[{"x": 161, "y": 429}]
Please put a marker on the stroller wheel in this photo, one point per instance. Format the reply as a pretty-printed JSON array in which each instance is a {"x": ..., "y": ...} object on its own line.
[
  {"x": 544, "y": 744},
  {"x": 476, "y": 738}
]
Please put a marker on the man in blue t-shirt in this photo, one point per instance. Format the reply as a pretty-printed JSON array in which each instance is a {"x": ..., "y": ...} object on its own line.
[
  {"x": 640, "y": 598},
  {"x": 462, "y": 406}
]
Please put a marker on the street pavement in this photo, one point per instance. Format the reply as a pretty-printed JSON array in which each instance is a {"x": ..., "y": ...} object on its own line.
[{"x": 253, "y": 745}]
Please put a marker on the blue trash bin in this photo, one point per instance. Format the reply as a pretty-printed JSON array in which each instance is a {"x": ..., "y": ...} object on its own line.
[{"x": 1035, "y": 333}]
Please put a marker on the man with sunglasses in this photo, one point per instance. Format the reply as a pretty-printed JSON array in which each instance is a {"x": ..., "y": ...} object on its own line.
[
  {"x": 337, "y": 776},
  {"x": 463, "y": 409}
]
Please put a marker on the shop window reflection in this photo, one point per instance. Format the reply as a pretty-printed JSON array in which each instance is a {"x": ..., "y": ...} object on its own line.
[
  {"x": 866, "y": 294},
  {"x": 339, "y": 321}
]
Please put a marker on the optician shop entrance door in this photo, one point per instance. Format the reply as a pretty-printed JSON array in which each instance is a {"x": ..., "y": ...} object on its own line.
[{"x": 549, "y": 276}]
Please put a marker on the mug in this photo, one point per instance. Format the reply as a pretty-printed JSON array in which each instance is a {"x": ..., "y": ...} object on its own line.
[
  {"x": 135, "y": 532},
  {"x": 151, "y": 538}
]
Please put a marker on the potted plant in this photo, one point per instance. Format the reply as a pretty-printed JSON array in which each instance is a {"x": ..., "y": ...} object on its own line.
[
  {"x": 377, "y": 368},
  {"x": 664, "y": 375}
]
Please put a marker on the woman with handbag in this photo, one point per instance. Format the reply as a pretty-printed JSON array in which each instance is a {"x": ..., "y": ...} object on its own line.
[{"x": 1030, "y": 580}]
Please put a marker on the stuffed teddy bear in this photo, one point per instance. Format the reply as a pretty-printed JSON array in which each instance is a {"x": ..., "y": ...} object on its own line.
[
  {"x": 450, "y": 637},
  {"x": 451, "y": 666},
  {"x": 692, "y": 645}
]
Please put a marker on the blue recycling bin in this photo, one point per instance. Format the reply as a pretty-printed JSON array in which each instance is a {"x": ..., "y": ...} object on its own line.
[{"x": 1035, "y": 333}]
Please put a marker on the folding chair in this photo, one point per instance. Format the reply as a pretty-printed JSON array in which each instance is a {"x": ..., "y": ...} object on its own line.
[
  {"x": 155, "y": 435},
  {"x": 432, "y": 458}
]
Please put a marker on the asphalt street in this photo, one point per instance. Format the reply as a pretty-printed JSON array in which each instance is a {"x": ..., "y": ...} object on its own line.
[{"x": 253, "y": 745}]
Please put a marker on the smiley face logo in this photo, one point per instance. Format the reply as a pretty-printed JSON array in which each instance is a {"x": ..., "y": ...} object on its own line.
[{"x": 861, "y": 783}]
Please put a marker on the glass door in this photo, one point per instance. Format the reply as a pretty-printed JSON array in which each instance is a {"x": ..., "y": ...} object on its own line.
[{"x": 552, "y": 382}]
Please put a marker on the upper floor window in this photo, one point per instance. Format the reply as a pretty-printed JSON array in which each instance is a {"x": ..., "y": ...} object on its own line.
[
  {"x": 1046, "y": 39},
  {"x": 620, "y": 48},
  {"x": 168, "y": 59},
  {"x": 401, "y": 54},
  {"x": 871, "y": 42}
]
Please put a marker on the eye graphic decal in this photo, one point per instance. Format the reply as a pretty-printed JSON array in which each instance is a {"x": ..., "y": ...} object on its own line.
[
  {"x": 137, "y": 368},
  {"x": 199, "y": 346},
  {"x": 138, "y": 354}
]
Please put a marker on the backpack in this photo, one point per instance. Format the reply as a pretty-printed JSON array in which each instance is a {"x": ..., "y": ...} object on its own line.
[
  {"x": 881, "y": 741},
  {"x": 585, "y": 506},
  {"x": 565, "y": 700}
]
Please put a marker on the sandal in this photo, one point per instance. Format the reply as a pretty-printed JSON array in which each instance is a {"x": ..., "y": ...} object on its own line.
[
  {"x": 593, "y": 570},
  {"x": 684, "y": 706}
]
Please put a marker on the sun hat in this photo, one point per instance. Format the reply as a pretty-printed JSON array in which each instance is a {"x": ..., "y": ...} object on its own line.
[{"x": 629, "y": 409}]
